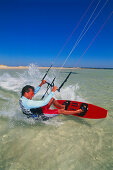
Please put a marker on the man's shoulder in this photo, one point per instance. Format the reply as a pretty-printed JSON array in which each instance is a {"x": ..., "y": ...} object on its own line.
[{"x": 21, "y": 100}]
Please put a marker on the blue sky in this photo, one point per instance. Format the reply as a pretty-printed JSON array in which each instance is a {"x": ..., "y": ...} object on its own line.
[{"x": 35, "y": 31}]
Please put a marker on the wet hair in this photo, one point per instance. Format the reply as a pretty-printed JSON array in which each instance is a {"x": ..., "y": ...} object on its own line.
[{"x": 26, "y": 89}]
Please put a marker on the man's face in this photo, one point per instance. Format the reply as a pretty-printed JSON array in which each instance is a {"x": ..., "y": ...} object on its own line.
[{"x": 30, "y": 94}]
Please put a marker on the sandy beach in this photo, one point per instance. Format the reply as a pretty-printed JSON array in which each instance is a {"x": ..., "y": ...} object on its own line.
[
  {"x": 26, "y": 67},
  {"x": 14, "y": 67}
]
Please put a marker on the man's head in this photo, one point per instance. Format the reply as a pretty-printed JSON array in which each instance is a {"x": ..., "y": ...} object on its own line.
[{"x": 28, "y": 91}]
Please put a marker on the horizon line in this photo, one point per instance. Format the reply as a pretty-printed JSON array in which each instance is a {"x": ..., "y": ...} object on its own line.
[{"x": 57, "y": 67}]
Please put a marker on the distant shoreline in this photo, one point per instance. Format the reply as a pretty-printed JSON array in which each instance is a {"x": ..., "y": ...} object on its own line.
[
  {"x": 27, "y": 67},
  {"x": 13, "y": 67}
]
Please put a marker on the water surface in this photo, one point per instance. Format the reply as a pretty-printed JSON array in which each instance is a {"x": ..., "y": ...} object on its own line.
[{"x": 64, "y": 142}]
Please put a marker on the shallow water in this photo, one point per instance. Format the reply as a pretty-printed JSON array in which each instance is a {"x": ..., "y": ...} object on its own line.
[{"x": 64, "y": 142}]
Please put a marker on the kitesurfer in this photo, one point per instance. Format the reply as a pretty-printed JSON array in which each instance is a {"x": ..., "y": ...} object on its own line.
[{"x": 40, "y": 109}]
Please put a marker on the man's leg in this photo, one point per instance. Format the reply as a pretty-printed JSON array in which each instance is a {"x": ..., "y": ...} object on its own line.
[
  {"x": 51, "y": 102},
  {"x": 65, "y": 112},
  {"x": 56, "y": 103}
]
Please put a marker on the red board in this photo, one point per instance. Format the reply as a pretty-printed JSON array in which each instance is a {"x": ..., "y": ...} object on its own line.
[{"x": 94, "y": 112}]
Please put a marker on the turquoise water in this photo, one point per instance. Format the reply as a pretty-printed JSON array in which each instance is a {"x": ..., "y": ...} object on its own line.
[{"x": 64, "y": 142}]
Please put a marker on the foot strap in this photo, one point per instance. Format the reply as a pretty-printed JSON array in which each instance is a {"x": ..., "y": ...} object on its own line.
[
  {"x": 84, "y": 108},
  {"x": 67, "y": 103}
]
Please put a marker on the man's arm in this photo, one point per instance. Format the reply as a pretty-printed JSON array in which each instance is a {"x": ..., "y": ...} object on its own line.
[
  {"x": 36, "y": 104},
  {"x": 38, "y": 87}
]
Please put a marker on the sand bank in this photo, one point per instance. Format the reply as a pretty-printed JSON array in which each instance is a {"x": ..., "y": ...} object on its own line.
[{"x": 26, "y": 67}]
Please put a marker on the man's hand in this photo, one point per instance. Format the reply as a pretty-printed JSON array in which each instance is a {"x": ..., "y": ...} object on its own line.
[
  {"x": 43, "y": 82},
  {"x": 54, "y": 88}
]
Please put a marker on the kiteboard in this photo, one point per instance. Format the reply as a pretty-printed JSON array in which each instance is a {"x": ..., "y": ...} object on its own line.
[{"x": 93, "y": 111}]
